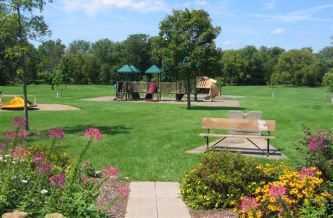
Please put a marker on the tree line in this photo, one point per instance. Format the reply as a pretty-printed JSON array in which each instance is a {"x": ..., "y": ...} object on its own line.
[{"x": 83, "y": 62}]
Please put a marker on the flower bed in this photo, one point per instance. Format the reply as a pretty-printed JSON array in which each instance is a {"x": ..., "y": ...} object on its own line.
[{"x": 41, "y": 180}]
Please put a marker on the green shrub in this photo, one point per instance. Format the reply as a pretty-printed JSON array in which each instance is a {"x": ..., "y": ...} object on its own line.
[
  {"x": 328, "y": 80},
  {"x": 220, "y": 180},
  {"x": 317, "y": 147}
]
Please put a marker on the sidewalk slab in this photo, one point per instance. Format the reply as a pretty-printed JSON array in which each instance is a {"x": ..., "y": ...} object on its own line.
[{"x": 155, "y": 200}]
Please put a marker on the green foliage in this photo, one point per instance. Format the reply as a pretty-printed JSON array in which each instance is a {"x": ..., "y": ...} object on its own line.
[
  {"x": 328, "y": 80},
  {"x": 310, "y": 209},
  {"x": 297, "y": 67},
  {"x": 220, "y": 179},
  {"x": 184, "y": 38}
]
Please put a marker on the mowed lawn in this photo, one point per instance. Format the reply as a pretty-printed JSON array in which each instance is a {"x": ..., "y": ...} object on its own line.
[{"x": 147, "y": 141}]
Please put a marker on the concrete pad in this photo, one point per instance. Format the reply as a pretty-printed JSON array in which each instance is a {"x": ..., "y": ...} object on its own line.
[
  {"x": 155, "y": 199},
  {"x": 243, "y": 146},
  {"x": 142, "y": 200}
]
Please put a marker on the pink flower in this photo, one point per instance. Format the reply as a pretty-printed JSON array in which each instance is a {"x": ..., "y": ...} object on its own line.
[
  {"x": 44, "y": 168},
  {"x": 85, "y": 180},
  {"x": 277, "y": 190},
  {"x": 316, "y": 143},
  {"x": 20, "y": 153},
  {"x": 38, "y": 158},
  {"x": 10, "y": 135},
  {"x": 249, "y": 203},
  {"x": 56, "y": 133},
  {"x": 93, "y": 133},
  {"x": 309, "y": 171},
  {"x": 57, "y": 180},
  {"x": 110, "y": 172},
  {"x": 3, "y": 146},
  {"x": 22, "y": 134},
  {"x": 19, "y": 122},
  {"x": 123, "y": 190}
]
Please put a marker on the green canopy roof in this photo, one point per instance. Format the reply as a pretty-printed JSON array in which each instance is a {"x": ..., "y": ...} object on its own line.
[
  {"x": 154, "y": 69},
  {"x": 128, "y": 69},
  {"x": 136, "y": 69}
]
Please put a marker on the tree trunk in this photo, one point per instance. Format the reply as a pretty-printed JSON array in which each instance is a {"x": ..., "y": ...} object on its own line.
[
  {"x": 25, "y": 94},
  {"x": 188, "y": 91},
  {"x": 24, "y": 76}
]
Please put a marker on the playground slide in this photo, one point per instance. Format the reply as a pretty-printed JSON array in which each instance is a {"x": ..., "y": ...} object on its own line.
[
  {"x": 152, "y": 88},
  {"x": 213, "y": 92}
]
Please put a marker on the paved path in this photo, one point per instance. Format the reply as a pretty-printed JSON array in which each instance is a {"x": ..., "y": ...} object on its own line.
[{"x": 155, "y": 200}]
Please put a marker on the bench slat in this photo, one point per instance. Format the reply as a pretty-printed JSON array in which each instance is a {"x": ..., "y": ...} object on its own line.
[
  {"x": 239, "y": 124},
  {"x": 236, "y": 136}
]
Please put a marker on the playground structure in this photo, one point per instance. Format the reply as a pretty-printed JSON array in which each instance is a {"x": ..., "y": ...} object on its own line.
[
  {"x": 131, "y": 89},
  {"x": 17, "y": 103},
  {"x": 173, "y": 90},
  {"x": 208, "y": 86}
]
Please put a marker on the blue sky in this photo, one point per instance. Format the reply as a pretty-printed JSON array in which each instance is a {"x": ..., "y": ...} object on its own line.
[{"x": 287, "y": 24}]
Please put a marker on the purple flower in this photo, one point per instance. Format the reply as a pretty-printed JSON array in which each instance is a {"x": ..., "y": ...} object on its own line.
[
  {"x": 123, "y": 190},
  {"x": 10, "y": 135},
  {"x": 38, "y": 158},
  {"x": 93, "y": 133},
  {"x": 249, "y": 203},
  {"x": 56, "y": 133},
  {"x": 3, "y": 146},
  {"x": 22, "y": 134},
  {"x": 44, "y": 168},
  {"x": 20, "y": 153},
  {"x": 57, "y": 180},
  {"x": 19, "y": 122},
  {"x": 309, "y": 171},
  {"x": 316, "y": 143},
  {"x": 110, "y": 172},
  {"x": 277, "y": 190}
]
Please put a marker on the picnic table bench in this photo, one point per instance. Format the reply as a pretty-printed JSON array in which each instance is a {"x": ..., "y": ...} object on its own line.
[{"x": 244, "y": 127}]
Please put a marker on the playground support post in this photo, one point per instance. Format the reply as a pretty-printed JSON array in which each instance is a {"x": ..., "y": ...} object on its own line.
[{"x": 188, "y": 91}]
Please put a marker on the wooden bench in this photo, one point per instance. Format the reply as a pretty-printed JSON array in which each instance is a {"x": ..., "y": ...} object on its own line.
[{"x": 243, "y": 125}]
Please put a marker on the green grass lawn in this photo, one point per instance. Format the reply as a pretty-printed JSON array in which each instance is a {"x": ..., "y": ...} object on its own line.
[{"x": 148, "y": 141}]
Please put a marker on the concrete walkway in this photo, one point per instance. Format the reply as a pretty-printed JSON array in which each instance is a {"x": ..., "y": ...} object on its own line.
[{"x": 155, "y": 200}]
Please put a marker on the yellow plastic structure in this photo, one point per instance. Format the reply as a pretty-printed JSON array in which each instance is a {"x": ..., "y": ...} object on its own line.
[
  {"x": 16, "y": 103},
  {"x": 208, "y": 83}
]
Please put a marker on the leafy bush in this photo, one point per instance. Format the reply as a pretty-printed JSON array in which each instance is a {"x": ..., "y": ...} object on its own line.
[
  {"x": 328, "y": 80},
  {"x": 219, "y": 180}
]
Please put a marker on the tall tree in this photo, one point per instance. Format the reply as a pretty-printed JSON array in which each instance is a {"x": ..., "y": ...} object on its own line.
[
  {"x": 29, "y": 26},
  {"x": 297, "y": 67},
  {"x": 137, "y": 50},
  {"x": 50, "y": 53},
  {"x": 186, "y": 46},
  {"x": 79, "y": 46}
]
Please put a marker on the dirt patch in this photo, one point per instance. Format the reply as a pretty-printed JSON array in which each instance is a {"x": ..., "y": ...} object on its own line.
[
  {"x": 110, "y": 201},
  {"x": 218, "y": 103},
  {"x": 56, "y": 107},
  {"x": 50, "y": 107},
  {"x": 217, "y": 213}
]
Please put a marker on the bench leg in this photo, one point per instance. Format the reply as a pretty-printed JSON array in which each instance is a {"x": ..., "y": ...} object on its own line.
[
  {"x": 207, "y": 140},
  {"x": 268, "y": 145}
]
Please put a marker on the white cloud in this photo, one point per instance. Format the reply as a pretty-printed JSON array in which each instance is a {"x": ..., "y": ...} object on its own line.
[
  {"x": 278, "y": 31},
  {"x": 297, "y": 16},
  {"x": 92, "y": 6},
  {"x": 270, "y": 4}
]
